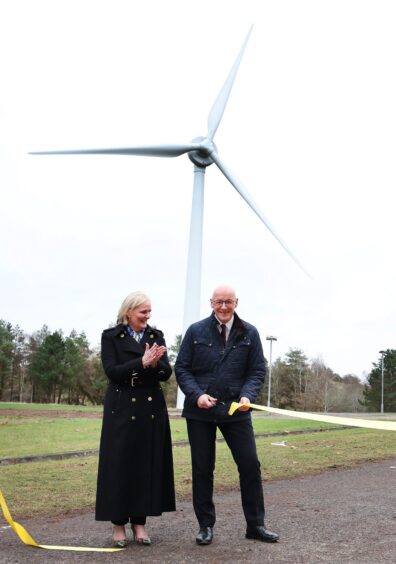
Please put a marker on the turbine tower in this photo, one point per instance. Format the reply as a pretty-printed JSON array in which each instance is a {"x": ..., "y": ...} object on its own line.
[{"x": 202, "y": 152}]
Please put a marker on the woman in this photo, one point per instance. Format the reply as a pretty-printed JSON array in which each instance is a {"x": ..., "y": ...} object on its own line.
[{"x": 135, "y": 476}]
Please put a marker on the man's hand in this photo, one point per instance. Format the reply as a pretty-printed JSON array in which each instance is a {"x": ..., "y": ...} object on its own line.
[
  {"x": 242, "y": 401},
  {"x": 206, "y": 401}
]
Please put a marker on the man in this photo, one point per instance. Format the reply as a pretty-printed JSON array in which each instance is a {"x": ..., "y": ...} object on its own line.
[{"x": 221, "y": 360}]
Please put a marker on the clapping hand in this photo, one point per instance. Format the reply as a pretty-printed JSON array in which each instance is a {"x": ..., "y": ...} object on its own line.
[{"x": 152, "y": 355}]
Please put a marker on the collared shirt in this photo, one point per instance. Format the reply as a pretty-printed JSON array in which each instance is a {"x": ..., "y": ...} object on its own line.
[
  {"x": 136, "y": 336},
  {"x": 228, "y": 325}
]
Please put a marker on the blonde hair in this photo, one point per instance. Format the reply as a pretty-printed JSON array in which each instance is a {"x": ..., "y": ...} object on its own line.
[{"x": 132, "y": 300}]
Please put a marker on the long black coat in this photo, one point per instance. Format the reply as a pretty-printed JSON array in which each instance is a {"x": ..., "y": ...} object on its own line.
[{"x": 135, "y": 476}]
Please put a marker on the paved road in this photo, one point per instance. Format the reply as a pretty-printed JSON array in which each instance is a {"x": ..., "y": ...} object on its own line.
[{"x": 337, "y": 517}]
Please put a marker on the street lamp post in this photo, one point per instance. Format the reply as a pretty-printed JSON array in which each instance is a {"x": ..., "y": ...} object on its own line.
[
  {"x": 382, "y": 381},
  {"x": 270, "y": 339}
]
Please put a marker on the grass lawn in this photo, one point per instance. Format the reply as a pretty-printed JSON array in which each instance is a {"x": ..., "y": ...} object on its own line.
[
  {"x": 56, "y": 487},
  {"x": 49, "y": 407},
  {"x": 24, "y": 436},
  {"x": 42, "y": 435}
]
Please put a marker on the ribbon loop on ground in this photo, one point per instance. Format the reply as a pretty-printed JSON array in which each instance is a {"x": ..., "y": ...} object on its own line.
[{"x": 27, "y": 539}]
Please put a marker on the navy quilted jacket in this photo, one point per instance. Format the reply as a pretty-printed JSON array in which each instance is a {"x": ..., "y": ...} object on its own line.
[{"x": 204, "y": 366}]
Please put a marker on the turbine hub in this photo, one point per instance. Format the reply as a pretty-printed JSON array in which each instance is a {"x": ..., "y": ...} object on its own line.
[{"x": 202, "y": 157}]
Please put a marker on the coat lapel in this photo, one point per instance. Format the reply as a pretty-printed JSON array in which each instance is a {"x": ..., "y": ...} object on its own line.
[
  {"x": 127, "y": 342},
  {"x": 148, "y": 337}
]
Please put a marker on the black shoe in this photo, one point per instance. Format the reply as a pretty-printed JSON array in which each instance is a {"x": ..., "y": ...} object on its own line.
[
  {"x": 261, "y": 533},
  {"x": 205, "y": 535}
]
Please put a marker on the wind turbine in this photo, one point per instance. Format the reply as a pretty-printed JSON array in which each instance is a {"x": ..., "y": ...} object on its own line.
[{"x": 202, "y": 152}]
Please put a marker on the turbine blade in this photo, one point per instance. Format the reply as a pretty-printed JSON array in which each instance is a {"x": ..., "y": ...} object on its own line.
[
  {"x": 249, "y": 200},
  {"x": 149, "y": 151},
  {"x": 216, "y": 113}
]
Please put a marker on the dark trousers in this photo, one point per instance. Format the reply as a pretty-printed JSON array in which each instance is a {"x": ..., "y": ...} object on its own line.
[
  {"x": 240, "y": 439},
  {"x": 133, "y": 520}
]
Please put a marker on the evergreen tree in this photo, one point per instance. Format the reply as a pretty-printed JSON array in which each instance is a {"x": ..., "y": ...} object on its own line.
[
  {"x": 373, "y": 388},
  {"x": 6, "y": 350},
  {"x": 297, "y": 371},
  {"x": 47, "y": 368}
]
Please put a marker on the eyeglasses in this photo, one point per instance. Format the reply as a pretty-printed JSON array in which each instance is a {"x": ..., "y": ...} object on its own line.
[{"x": 227, "y": 303}]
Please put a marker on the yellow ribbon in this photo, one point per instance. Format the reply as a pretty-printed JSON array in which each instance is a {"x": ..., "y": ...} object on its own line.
[
  {"x": 27, "y": 539},
  {"x": 352, "y": 422}
]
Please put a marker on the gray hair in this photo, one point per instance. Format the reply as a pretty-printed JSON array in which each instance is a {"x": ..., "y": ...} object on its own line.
[{"x": 132, "y": 301}]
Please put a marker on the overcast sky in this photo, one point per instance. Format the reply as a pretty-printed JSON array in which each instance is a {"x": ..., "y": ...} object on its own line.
[{"x": 310, "y": 129}]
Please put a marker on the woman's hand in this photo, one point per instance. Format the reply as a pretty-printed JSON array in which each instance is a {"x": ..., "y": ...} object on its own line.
[
  {"x": 152, "y": 355},
  {"x": 160, "y": 351}
]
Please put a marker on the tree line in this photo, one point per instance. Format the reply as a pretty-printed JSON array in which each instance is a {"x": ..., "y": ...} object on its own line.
[
  {"x": 50, "y": 367},
  {"x": 305, "y": 385}
]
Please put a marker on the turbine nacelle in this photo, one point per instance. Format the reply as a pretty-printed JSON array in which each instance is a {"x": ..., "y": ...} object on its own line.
[{"x": 202, "y": 156}]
